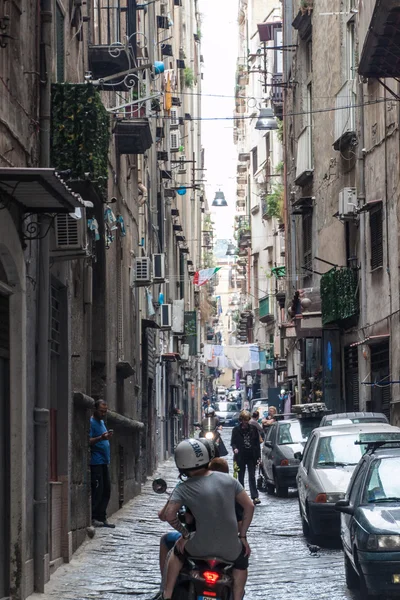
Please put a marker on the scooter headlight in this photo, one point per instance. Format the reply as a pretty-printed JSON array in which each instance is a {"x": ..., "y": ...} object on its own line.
[{"x": 209, "y": 435}]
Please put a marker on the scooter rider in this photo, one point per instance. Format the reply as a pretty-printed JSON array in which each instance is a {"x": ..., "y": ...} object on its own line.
[{"x": 211, "y": 497}]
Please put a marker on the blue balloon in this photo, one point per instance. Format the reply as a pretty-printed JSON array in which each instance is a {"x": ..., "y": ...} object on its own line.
[{"x": 181, "y": 191}]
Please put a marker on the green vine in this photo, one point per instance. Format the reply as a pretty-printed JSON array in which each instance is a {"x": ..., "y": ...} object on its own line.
[
  {"x": 80, "y": 133},
  {"x": 339, "y": 297},
  {"x": 279, "y": 132},
  {"x": 279, "y": 167},
  {"x": 274, "y": 202},
  {"x": 189, "y": 78}
]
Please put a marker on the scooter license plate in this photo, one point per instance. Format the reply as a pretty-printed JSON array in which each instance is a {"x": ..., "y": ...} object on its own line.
[{"x": 207, "y": 598}]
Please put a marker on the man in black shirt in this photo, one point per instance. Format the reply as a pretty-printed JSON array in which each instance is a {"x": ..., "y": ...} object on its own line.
[{"x": 245, "y": 443}]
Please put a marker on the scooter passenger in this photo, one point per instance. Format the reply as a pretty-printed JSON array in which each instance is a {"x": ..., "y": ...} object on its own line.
[{"x": 210, "y": 497}]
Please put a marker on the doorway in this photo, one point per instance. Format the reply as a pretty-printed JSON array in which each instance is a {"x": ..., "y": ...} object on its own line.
[{"x": 4, "y": 446}]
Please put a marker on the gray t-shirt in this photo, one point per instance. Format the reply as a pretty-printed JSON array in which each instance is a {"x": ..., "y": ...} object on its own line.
[{"x": 211, "y": 499}]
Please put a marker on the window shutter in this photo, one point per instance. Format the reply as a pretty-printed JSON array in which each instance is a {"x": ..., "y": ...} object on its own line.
[
  {"x": 307, "y": 241},
  {"x": 60, "y": 45},
  {"x": 351, "y": 378},
  {"x": 376, "y": 230}
]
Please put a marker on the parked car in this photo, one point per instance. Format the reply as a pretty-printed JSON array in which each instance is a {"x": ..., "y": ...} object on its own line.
[
  {"x": 283, "y": 440},
  {"x": 259, "y": 402},
  {"x": 370, "y": 523},
  {"x": 227, "y": 412},
  {"x": 329, "y": 459},
  {"x": 353, "y": 417}
]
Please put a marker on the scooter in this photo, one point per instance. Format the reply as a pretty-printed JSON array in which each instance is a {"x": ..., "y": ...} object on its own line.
[{"x": 206, "y": 578}]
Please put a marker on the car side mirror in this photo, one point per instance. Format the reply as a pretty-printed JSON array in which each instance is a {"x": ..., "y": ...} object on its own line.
[
  {"x": 298, "y": 455},
  {"x": 344, "y": 506},
  {"x": 268, "y": 444}
]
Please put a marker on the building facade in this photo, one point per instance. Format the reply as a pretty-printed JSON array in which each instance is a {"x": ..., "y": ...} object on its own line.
[
  {"x": 341, "y": 187},
  {"x": 101, "y": 209}
]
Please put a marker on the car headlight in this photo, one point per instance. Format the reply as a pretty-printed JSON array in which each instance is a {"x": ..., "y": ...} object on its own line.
[
  {"x": 383, "y": 542},
  {"x": 332, "y": 497},
  {"x": 209, "y": 435}
]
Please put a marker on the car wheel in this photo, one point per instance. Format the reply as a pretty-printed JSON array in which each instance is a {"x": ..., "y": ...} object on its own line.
[
  {"x": 281, "y": 491},
  {"x": 365, "y": 593},
  {"x": 352, "y": 578},
  {"x": 270, "y": 489}
]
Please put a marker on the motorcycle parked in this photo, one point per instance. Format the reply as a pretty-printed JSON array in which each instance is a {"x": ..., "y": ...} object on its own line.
[{"x": 206, "y": 578}]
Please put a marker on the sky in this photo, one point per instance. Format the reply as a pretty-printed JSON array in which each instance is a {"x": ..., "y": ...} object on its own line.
[{"x": 219, "y": 48}]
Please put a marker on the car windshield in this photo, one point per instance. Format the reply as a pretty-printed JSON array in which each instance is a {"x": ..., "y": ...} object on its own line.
[
  {"x": 226, "y": 407},
  {"x": 292, "y": 433},
  {"x": 381, "y": 485},
  {"x": 341, "y": 450}
]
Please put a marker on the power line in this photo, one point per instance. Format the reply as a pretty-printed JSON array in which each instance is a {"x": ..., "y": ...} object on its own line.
[{"x": 289, "y": 114}]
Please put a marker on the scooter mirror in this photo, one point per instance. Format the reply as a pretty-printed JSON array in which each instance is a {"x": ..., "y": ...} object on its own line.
[{"x": 159, "y": 486}]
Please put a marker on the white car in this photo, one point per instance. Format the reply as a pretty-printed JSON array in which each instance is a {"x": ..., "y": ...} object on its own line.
[{"x": 328, "y": 461}]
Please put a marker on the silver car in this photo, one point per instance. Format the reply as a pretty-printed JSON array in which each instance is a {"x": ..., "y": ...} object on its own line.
[
  {"x": 227, "y": 412},
  {"x": 353, "y": 417},
  {"x": 329, "y": 459}
]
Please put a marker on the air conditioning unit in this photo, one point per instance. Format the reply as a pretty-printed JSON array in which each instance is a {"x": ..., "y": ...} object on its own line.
[
  {"x": 142, "y": 271},
  {"x": 174, "y": 141},
  {"x": 347, "y": 202},
  {"x": 182, "y": 165},
  {"x": 166, "y": 316},
  {"x": 70, "y": 232},
  {"x": 174, "y": 117},
  {"x": 159, "y": 267}
]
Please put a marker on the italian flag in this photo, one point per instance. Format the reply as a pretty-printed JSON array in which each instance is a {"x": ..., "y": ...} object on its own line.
[{"x": 201, "y": 277}]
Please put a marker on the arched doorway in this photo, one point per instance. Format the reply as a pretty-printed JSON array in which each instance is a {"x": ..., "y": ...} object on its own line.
[{"x": 4, "y": 434}]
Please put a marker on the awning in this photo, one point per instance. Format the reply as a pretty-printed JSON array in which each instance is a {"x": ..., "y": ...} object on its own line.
[
  {"x": 171, "y": 356},
  {"x": 371, "y": 339},
  {"x": 39, "y": 190},
  {"x": 266, "y": 30},
  {"x": 370, "y": 205},
  {"x": 380, "y": 52}
]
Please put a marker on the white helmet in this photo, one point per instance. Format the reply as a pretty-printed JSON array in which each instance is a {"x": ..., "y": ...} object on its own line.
[
  {"x": 210, "y": 411},
  {"x": 193, "y": 454}
]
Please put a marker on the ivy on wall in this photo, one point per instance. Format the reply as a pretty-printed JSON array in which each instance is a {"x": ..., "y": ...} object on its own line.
[
  {"x": 339, "y": 297},
  {"x": 80, "y": 133}
]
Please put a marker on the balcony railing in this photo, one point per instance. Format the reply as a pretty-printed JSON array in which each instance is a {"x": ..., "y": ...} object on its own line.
[
  {"x": 304, "y": 163},
  {"x": 339, "y": 297},
  {"x": 277, "y": 93},
  {"x": 345, "y": 126},
  {"x": 265, "y": 314}
]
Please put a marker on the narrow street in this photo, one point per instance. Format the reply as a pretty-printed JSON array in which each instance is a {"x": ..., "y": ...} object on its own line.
[{"x": 124, "y": 561}]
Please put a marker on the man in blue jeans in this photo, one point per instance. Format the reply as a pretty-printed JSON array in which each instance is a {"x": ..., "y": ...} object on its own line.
[{"x": 99, "y": 465}]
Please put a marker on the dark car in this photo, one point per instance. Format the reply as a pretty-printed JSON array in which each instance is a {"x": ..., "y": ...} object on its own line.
[
  {"x": 353, "y": 417},
  {"x": 283, "y": 440},
  {"x": 370, "y": 522}
]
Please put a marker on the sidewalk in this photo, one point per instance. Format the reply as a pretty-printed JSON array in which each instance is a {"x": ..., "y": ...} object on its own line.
[{"x": 120, "y": 561}]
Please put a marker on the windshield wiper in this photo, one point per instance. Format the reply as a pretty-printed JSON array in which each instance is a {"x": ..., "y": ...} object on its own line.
[
  {"x": 391, "y": 499},
  {"x": 335, "y": 464}
]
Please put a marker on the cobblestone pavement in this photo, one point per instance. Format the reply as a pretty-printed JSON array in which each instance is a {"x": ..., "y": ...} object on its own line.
[{"x": 124, "y": 561}]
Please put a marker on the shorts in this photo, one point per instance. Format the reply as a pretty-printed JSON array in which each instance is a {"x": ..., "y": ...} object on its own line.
[
  {"x": 241, "y": 563},
  {"x": 170, "y": 538}
]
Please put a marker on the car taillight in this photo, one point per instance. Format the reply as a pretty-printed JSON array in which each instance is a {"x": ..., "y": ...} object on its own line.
[
  {"x": 211, "y": 577},
  {"x": 321, "y": 499},
  {"x": 284, "y": 462},
  {"x": 211, "y": 594}
]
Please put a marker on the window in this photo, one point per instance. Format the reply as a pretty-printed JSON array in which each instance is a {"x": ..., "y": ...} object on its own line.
[
  {"x": 309, "y": 62},
  {"x": 308, "y": 453},
  {"x": 307, "y": 243},
  {"x": 60, "y": 45},
  {"x": 350, "y": 51},
  {"x": 254, "y": 159},
  {"x": 376, "y": 232}
]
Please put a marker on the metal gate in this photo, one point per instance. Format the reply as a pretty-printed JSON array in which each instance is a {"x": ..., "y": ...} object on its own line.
[
  {"x": 351, "y": 378},
  {"x": 4, "y": 446},
  {"x": 380, "y": 395}
]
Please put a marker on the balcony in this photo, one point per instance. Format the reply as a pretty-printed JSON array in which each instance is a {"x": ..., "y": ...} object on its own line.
[
  {"x": 345, "y": 126},
  {"x": 277, "y": 94},
  {"x": 380, "y": 24},
  {"x": 114, "y": 50},
  {"x": 304, "y": 163},
  {"x": 339, "y": 297},
  {"x": 132, "y": 136},
  {"x": 265, "y": 310}
]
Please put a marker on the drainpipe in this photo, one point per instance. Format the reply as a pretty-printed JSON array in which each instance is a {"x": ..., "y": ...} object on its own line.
[
  {"x": 41, "y": 412},
  {"x": 363, "y": 365}
]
